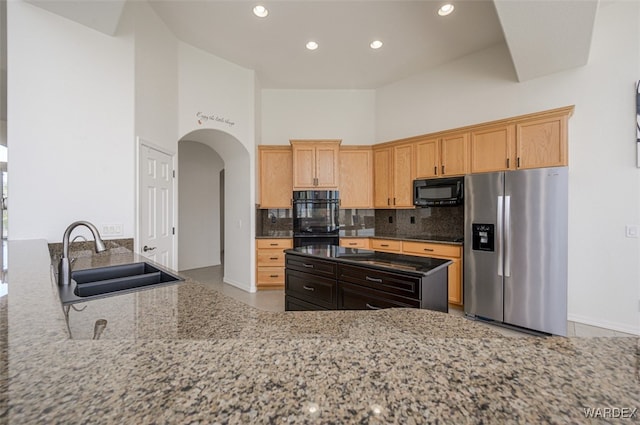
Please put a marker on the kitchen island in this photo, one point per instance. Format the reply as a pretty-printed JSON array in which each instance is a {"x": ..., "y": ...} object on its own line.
[
  {"x": 186, "y": 354},
  {"x": 334, "y": 277}
]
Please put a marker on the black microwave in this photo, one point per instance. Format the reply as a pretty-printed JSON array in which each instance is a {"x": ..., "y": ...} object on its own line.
[{"x": 446, "y": 192}]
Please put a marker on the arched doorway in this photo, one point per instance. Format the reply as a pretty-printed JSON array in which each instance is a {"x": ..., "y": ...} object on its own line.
[{"x": 207, "y": 212}]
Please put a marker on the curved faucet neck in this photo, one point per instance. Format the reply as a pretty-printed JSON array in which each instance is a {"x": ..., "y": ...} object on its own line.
[{"x": 99, "y": 243}]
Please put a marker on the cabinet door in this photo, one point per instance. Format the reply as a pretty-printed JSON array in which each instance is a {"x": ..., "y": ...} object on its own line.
[
  {"x": 276, "y": 176},
  {"x": 455, "y": 281},
  {"x": 381, "y": 178},
  {"x": 326, "y": 166},
  {"x": 492, "y": 149},
  {"x": 403, "y": 176},
  {"x": 427, "y": 154},
  {"x": 304, "y": 160},
  {"x": 454, "y": 157},
  {"x": 356, "y": 178},
  {"x": 542, "y": 142},
  {"x": 356, "y": 297}
]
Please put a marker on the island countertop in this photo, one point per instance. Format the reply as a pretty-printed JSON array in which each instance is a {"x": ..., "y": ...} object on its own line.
[
  {"x": 408, "y": 264},
  {"x": 187, "y": 353}
]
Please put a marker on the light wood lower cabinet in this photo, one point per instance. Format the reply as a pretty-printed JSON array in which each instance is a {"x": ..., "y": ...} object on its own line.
[
  {"x": 426, "y": 249},
  {"x": 360, "y": 243},
  {"x": 444, "y": 251},
  {"x": 386, "y": 245},
  {"x": 270, "y": 262}
]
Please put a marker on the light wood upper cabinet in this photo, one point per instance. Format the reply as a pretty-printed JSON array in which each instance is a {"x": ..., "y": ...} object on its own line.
[
  {"x": 356, "y": 177},
  {"x": 275, "y": 173},
  {"x": 492, "y": 149},
  {"x": 542, "y": 142},
  {"x": 403, "y": 175},
  {"x": 393, "y": 171},
  {"x": 382, "y": 180},
  {"x": 454, "y": 154},
  {"x": 315, "y": 164},
  {"x": 427, "y": 154}
]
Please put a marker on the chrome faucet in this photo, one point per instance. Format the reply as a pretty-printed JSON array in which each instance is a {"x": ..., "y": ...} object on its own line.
[{"x": 64, "y": 267}]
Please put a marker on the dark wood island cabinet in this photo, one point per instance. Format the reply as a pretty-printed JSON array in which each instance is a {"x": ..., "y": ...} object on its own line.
[{"x": 330, "y": 277}]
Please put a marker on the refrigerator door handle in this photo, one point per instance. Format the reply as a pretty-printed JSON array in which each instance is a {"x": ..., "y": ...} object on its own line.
[
  {"x": 507, "y": 236},
  {"x": 499, "y": 226}
]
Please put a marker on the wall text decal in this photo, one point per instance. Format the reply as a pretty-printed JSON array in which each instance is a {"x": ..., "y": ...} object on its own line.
[{"x": 202, "y": 118}]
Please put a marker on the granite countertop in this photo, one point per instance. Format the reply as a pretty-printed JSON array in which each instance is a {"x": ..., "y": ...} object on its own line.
[
  {"x": 188, "y": 354},
  {"x": 418, "y": 266},
  {"x": 275, "y": 234},
  {"x": 453, "y": 240}
]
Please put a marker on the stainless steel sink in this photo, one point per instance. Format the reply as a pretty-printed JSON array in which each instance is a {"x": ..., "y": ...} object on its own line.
[{"x": 113, "y": 280}]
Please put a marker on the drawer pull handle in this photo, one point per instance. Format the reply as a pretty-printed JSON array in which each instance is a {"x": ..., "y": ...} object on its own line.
[
  {"x": 428, "y": 249},
  {"x": 273, "y": 244},
  {"x": 273, "y": 275},
  {"x": 373, "y": 307},
  {"x": 353, "y": 243},
  {"x": 273, "y": 258},
  {"x": 308, "y": 288},
  {"x": 373, "y": 279},
  {"x": 309, "y": 266},
  {"x": 384, "y": 245}
]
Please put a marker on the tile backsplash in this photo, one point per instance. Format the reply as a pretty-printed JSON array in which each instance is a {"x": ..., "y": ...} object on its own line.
[
  {"x": 440, "y": 221},
  {"x": 273, "y": 220}
]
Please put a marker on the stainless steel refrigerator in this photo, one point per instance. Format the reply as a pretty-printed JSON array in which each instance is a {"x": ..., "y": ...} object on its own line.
[{"x": 515, "y": 248}]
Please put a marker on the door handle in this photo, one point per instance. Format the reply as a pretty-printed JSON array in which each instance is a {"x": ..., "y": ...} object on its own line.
[
  {"x": 507, "y": 236},
  {"x": 499, "y": 224},
  {"x": 146, "y": 248}
]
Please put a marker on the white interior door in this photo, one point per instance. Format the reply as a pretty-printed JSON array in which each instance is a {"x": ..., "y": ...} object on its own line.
[{"x": 156, "y": 206}]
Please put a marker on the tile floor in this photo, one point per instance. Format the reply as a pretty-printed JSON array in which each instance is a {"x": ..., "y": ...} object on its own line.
[{"x": 273, "y": 300}]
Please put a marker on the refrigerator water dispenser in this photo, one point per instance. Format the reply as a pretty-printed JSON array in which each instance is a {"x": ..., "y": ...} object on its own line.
[{"x": 483, "y": 237}]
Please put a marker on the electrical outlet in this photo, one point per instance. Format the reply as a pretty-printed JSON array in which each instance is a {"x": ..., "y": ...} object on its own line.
[
  {"x": 112, "y": 229},
  {"x": 412, "y": 220},
  {"x": 390, "y": 219},
  {"x": 631, "y": 231}
]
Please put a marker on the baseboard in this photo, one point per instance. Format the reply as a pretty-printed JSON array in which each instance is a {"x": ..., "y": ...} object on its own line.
[
  {"x": 614, "y": 326},
  {"x": 238, "y": 285}
]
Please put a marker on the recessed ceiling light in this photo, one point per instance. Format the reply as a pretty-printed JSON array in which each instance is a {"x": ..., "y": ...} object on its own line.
[
  {"x": 312, "y": 45},
  {"x": 376, "y": 44},
  {"x": 260, "y": 11},
  {"x": 446, "y": 9}
]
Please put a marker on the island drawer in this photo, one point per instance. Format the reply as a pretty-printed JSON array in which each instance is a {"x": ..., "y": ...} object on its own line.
[
  {"x": 311, "y": 265},
  {"x": 315, "y": 289},
  {"x": 355, "y": 297},
  {"x": 395, "y": 283},
  {"x": 431, "y": 249},
  {"x": 294, "y": 304}
]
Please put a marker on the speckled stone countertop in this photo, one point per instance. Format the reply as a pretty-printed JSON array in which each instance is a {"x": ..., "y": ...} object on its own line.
[{"x": 188, "y": 354}]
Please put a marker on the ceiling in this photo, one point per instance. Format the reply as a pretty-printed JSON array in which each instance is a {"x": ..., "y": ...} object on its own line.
[{"x": 543, "y": 36}]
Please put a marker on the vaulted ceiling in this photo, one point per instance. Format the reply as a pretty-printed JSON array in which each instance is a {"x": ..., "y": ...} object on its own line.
[{"x": 543, "y": 36}]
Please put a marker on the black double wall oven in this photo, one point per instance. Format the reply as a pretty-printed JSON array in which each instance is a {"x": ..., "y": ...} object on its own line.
[{"x": 315, "y": 217}]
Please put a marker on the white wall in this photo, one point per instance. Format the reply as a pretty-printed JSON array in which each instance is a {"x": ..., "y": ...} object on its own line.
[
  {"x": 156, "y": 78},
  {"x": 199, "y": 204},
  {"x": 318, "y": 114},
  {"x": 70, "y": 109},
  {"x": 604, "y": 185},
  {"x": 216, "y": 107}
]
